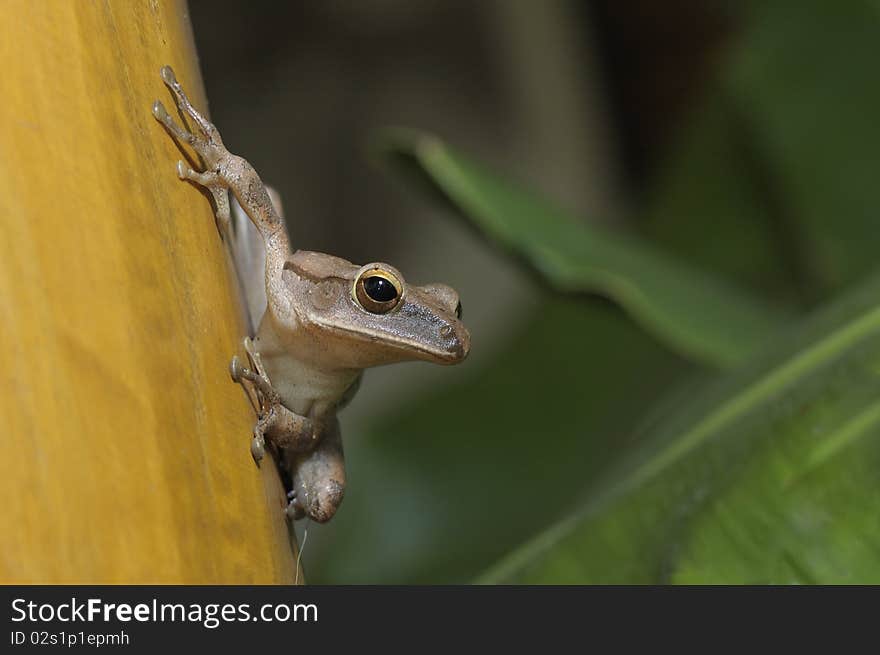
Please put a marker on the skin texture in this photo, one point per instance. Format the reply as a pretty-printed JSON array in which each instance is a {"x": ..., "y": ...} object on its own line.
[{"x": 326, "y": 320}]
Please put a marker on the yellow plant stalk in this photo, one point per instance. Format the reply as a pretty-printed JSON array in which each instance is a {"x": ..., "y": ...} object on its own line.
[{"x": 124, "y": 455}]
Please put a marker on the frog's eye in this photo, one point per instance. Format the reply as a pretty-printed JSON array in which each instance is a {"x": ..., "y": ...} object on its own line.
[{"x": 377, "y": 290}]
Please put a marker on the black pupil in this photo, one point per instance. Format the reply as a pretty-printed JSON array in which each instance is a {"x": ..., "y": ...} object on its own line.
[{"x": 379, "y": 289}]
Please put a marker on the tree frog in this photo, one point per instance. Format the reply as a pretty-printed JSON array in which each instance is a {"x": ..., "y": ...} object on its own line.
[{"x": 324, "y": 321}]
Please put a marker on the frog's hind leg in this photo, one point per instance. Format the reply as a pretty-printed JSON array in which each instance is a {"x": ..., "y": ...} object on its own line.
[{"x": 318, "y": 477}]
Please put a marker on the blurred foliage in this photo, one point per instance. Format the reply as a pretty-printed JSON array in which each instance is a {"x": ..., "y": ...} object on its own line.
[
  {"x": 688, "y": 309},
  {"x": 770, "y": 476},
  {"x": 767, "y": 473},
  {"x": 774, "y": 180}
]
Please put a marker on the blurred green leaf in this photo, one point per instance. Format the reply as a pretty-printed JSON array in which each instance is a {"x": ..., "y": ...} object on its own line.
[
  {"x": 804, "y": 81},
  {"x": 711, "y": 204},
  {"x": 696, "y": 314},
  {"x": 772, "y": 177},
  {"x": 444, "y": 487},
  {"x": 770, "y": 476}
]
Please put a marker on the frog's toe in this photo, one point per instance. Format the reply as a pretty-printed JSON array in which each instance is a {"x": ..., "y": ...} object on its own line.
[
  {"x": 258, "y": 448},
  {"x": 167, "y": 74},
  {"x": 294, "y": 510},
  {"x": 207, "y": 179},
  {"x": 235, "y": 369},
  {"x": 160, "y": 113}
]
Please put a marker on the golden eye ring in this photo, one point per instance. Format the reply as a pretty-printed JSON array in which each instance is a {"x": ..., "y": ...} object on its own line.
[{"x": 377, "y": 290}]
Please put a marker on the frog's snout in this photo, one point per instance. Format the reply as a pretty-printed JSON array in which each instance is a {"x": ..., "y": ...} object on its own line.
[
  {"x": 457, "y": 341},
  {"x": 463, "y": 346}
]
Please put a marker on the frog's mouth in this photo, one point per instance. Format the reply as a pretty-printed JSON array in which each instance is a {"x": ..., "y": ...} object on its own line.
[
  {"x": 450, "y": 345},
  {"x": 453, "y": 355}
]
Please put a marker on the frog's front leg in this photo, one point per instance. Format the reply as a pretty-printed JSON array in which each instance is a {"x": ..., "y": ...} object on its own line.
[
  {"x": 318, "y": 476},
  {"x": 223, "y": 170},
  {"x": 209, "y": 147},
  {"x": 283, "y": 428}
]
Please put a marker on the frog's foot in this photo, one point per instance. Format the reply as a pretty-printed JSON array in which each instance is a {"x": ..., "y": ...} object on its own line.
[
  {"x": 270, "y": 425},
  {"x": 275, "y": 423},
  {"x": 268, "y": 401},
  {"x": 266, "y": 419},
  {"x": 207, "y": 144},
  {"x": 294, "y": 509}
]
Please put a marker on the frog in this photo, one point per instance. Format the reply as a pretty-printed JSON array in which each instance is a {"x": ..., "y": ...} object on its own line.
[{"x": 324, "y": 320}]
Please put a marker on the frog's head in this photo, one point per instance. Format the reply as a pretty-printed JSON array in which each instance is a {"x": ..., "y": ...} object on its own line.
[{"x": 368, "y": 315}]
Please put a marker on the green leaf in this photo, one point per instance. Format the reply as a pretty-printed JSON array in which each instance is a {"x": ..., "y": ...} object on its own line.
[
  {"x": 804, "y": 80},
  {"x": 769, "y": 476},
  {"x": 692, "y": 312},
  {"x": 782, "y": 153},
  {"x": 714, "y": 170}
]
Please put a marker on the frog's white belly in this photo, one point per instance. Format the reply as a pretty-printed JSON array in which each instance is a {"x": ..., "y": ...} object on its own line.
[
  {"x": 304, "y": 386},
  {"x": 305, "y": 389}
]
